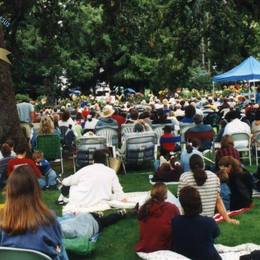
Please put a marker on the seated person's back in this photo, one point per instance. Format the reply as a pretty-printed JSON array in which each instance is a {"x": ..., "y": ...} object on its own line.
[
  {"x": 93, "y": 183},
  {"x": 155, "y": 217},
  {"x": 193, "y": 235}
]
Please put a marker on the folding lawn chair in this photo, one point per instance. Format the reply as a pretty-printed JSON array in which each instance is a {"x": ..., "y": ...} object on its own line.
[
  {"x": 85, "y": 148},
  {"x": 11, "y": 253},
  {"x": 140, "y": 149},
  {"x": 242, "y": 142},
  {"x": 51, "y": 147},
  {"x": 111, "y": 135}
]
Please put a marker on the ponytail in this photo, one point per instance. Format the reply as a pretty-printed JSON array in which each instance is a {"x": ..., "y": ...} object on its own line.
[
  {"x": 197, "y": 168},
  {"x": 158, "y": 195}
]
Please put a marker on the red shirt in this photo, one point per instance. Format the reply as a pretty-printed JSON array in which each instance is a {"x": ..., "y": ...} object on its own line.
[
  {"x": 16, "y": 161},
  {"x": 119, "y": 119},
  {"x": 168, "y": 146},
  {"x": 85, "y": 112},
  {"x": 155, "y": 231}
]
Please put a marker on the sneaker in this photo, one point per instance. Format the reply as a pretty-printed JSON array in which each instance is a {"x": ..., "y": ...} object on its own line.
[
  {"x": 100, "y": 214},
  {"x": 61, "y": 202},
  {"x": 122, "y": 212}
]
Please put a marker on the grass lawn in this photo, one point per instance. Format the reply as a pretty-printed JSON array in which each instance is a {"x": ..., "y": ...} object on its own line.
[{"x": 117, "y": 241}]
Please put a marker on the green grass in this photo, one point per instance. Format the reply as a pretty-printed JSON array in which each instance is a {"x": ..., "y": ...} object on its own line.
[{"x": 117, "y": 241}]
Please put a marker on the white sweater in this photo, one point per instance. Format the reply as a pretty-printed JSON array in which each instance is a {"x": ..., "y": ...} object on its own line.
[{"x": 93, "y": 184}]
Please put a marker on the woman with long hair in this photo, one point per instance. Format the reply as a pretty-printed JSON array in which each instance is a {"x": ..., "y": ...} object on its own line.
[
  {"x": 155, "y": 217},
  {"x": 194, "y": 235},
  {"x": 239, "y": 182},
  {"x": 207, "y": 184},
  {"x": 46, "y": 128},
  {"x": 25, "y": 221}
]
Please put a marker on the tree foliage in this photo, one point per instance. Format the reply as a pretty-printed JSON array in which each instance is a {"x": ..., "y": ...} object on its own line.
[{"x": 150, "y": 43}]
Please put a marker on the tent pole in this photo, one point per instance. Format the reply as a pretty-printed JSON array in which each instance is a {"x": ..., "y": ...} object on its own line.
[
  {"x": 249, "y": 91},
  {"x": 254, "y": 92}
]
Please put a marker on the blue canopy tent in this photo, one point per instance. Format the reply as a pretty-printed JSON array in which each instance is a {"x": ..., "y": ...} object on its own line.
[{"x": 249, "y": 69}]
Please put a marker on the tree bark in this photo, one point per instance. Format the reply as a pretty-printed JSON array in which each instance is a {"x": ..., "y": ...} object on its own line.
[{"x": 9, "y": 120}]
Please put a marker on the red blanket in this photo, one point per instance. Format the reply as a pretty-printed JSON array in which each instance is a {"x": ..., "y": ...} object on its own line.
[{"x": 218, "y": 218}]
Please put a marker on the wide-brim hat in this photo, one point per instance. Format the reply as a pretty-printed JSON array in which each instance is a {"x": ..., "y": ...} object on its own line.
[{"x": 107, "y": 111}]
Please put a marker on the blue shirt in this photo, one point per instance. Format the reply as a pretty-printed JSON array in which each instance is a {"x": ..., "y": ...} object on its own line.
[
  {"x": 44, "y": 166},
  {"x": 45, "y": 239},
  {"x": 185, "y": 158}
]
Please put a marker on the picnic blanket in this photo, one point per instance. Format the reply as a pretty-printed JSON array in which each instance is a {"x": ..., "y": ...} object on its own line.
[
  {"x": 218, "y": 218},
  {"x": 226, "y": 252},
  {"x": 132, "y": 199}
]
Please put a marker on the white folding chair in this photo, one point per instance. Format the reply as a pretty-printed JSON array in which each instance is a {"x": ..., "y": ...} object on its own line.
[
  {"x": 242, "y": 142},
  {"x": 158, "y": 130},
  {"x": 125, "y": 129}
]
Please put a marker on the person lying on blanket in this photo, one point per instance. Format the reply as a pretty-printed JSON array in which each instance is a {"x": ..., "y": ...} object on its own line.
[
  {"x": 192, "y": 234},
  {"x": 91, "y": 185},
  {"x": 85, "y": 227}
]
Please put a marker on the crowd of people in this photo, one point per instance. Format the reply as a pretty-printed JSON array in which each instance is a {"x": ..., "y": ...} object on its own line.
[{"x": 203, "y": 189}]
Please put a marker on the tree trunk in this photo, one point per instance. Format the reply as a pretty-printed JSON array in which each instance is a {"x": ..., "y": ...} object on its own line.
[{"x": 9, "y": 121}]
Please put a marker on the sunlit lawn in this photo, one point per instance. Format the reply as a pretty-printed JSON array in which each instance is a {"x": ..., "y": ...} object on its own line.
[{"x": 117, "y": 241}]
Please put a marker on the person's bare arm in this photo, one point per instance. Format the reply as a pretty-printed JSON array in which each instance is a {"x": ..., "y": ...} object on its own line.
[{"x": 222, "y": 211}]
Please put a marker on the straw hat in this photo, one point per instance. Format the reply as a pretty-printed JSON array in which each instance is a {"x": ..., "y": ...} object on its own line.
[{"x": 107, "y": 111}]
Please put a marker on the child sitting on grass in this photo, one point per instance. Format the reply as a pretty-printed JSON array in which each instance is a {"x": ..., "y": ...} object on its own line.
[
  {"x": 168, "y": 171},
  {"x": 46, "y": 169}
]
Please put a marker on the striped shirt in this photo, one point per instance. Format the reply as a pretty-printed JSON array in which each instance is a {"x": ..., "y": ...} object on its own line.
[{"x": 208, "y": 191}]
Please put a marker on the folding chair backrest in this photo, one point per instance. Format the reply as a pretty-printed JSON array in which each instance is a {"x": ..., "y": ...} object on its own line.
[
  {"x": 257, "y": 139},
  {"x": 50, "y": 145},
  {"x": 158, "y": 130},
  {"x": 127, "y": 128},
  {"x": 10, "y": 253},
  {"x": 111, "y": 135},
  {"x": 183, "y": 128},
  {"x": 85, "y": 148},
  {"x": 140, "y": 148},
  {"x": 241, "y": 140}
]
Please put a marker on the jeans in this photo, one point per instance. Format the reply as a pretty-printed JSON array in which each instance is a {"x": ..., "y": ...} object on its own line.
[
  {"x": 225, "y": 195},
  {"x": 49, "y": 179}
]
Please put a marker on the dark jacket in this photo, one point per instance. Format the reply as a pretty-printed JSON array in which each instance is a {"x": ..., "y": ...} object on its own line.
[
  {"x": 241, "y": 187},
  {"x": 194, "y": 237}
]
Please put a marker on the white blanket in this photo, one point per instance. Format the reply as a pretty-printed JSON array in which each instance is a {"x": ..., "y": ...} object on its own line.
[
  {"x": 226, "y": 252},
  {"x": 132, "y": 199}
]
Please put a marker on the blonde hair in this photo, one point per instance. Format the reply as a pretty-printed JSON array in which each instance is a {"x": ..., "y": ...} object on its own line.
[
  {"x": 24, "y": 209},
  {"x": 46, "y": 125}
]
